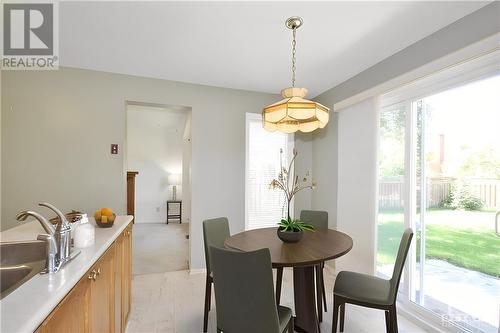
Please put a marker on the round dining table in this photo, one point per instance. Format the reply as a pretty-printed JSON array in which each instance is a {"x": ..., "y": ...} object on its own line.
[{"x": 313, "y": 249}]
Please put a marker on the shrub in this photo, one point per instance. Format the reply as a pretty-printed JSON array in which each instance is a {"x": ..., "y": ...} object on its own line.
[
  {"x": 470, "y": 202},
  {"x": 450, "y": 201},
  {"x": 461, "y": 197}
]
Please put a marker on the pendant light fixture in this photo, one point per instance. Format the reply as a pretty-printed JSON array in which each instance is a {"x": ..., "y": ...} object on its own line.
[{"x": 294, "y": 113}]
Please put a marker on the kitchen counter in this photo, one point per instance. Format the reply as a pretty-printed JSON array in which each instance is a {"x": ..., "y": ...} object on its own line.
[{"x": 26, "y": 308}]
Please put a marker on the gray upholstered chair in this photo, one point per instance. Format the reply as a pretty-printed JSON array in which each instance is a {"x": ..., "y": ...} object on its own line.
[
  {"x": 215, "y": 232},
  {"x": 244, "y": 293},
  {"x": 370, "y": 291}
]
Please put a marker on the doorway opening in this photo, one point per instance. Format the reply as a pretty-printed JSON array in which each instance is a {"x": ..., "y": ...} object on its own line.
[{"x": 158, "y": 151}]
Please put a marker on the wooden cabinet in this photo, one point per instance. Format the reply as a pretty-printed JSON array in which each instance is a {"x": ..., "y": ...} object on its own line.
[
  {"x": 127, "y": 273},
  {"x": 71, "y": 315},
  {"x": 100, "y": 302},
  {"x": 119, "y": 325},
  {"x": 123, "y": 278}
]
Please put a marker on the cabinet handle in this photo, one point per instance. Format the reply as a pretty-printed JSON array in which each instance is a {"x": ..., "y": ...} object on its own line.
[
  {"x": 98, "y": 271},
  {"x": 128, "y": 233},
  {"x": 92, "y": 275}
]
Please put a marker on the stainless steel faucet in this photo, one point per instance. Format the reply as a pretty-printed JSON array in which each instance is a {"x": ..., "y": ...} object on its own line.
[
  {"x": 58, "y": 239},
  {"x": 62, "y": 233},
  {"x": 53, "y": 264}
]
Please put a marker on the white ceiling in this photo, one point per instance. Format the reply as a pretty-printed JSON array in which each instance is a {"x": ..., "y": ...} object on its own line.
[{"x": 245, "y": 45}]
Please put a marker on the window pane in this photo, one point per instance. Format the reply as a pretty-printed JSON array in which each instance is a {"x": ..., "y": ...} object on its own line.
[
  {"x": 391, "y": 187},
  {"x": 264, "y": 206},
  {"x": 458, "y": 195}
]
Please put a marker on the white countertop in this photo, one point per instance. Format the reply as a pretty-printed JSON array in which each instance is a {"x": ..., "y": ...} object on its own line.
[{"x": 26, "y": 307}]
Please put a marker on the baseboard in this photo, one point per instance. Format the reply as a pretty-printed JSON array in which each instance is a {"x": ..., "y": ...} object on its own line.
[
  {"x": 198, "y": 271},
  {"x": 420, "y": 321}
]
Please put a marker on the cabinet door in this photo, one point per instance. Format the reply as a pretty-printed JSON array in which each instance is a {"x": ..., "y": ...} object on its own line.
[
  {"x": 127, "y": 273},
  {"x": 71, "y": 315},
  {"x": 119, "y": 327},
  {"x": 102, "y": 290}
]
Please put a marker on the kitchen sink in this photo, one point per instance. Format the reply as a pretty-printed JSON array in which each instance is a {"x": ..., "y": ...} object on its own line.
[{"x": 19, "y": 262}]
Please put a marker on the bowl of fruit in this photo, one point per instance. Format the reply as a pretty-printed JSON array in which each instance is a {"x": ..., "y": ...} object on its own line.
[{"x": 105, "y": 217}]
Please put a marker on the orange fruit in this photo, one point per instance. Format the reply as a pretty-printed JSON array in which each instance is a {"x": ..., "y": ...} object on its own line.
[
  {"x": 106, "y": 211},
  {"x": 97, "y": 215}
]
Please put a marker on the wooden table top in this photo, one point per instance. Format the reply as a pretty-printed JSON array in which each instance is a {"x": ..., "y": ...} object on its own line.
[{"x": 314, "y": 247}]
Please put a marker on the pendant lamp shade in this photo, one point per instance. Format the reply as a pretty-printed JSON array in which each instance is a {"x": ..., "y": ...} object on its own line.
[{"x": 294, "y": 113}]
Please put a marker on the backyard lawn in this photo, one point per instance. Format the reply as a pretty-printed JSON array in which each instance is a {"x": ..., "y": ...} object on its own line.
[{"x": 475, "y": 248}]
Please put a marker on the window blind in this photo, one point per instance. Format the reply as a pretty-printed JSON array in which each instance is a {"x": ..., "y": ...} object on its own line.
[{"x": 264, "y": 206}]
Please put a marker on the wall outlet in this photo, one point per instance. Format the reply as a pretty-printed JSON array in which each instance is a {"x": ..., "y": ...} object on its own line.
[{"x": 114, "y": 148}]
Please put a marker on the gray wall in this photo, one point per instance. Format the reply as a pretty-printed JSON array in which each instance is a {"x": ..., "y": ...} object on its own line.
[
  {"x": 57, "y": 127},
  {"x": 472, "y": 28},
  {"x": 303, "y": 144}
]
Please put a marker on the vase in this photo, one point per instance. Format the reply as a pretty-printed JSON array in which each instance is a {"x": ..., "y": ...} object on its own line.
[{"x": 289, "y": 236}]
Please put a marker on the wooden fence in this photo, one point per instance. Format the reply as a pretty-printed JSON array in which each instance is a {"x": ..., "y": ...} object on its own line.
[{"x": 391, "y": 191}]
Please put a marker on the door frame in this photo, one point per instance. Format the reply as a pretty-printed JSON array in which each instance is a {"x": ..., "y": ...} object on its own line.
[{"x": 481, "y": 67}]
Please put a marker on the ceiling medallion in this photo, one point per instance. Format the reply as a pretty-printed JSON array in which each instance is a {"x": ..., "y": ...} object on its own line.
[{"x": 294, "y": 113}]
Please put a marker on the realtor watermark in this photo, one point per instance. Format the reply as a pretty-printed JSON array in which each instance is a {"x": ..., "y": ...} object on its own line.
[{"x": 30, "y": 36}]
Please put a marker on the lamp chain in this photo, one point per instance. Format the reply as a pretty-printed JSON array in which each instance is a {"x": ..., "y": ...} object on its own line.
[{"x": 294, "y": 44}]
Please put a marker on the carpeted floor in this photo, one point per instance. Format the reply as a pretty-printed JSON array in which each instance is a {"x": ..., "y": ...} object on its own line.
[{"x": 158, "y": 248}]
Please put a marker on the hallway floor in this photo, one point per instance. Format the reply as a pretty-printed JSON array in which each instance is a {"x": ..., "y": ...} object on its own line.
[{"x": 160, "y": 248}]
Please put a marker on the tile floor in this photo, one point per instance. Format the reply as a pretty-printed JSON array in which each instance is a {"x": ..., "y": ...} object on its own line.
[{"x": 173, "y": 302}]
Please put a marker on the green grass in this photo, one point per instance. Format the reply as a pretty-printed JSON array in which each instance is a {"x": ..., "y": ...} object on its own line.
[{"x": 474, "y": 249}]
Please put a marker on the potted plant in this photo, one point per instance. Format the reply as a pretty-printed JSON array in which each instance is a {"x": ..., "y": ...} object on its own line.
[{"x": 291, "y": 230}]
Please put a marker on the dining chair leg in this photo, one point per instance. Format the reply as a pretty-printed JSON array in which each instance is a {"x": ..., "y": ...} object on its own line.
[
  {"x": 279, "y": 280},
  {"x": 394, "y": 318},
  {"x": 388, "y": 325},
  {"x": 291, "y": 326},
  {"x": 208, "y": 298},
  {"x": 342, "y": 317},
  {"x": 323, "y": 286},
  {"x": 319, "y": 303},
  {"x": 335, "y": 319},
  {"x": 210, "y": 295}
]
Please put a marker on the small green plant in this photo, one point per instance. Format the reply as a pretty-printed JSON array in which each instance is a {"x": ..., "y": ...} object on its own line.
[{"x": 294, "y": 225}]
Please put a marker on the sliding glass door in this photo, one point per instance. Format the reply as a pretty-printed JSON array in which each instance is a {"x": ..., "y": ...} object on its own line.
[
  {"x": 439, "y": 173},
  {"x": 457, "y": 261}
]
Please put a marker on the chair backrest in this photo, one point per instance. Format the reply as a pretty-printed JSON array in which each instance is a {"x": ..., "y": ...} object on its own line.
[
  {"x": 319, "y": 219},
  {"x": 404, "y": 246},
  {"x": 215, "y": 232},
  {"x": 244, "y": 291}
]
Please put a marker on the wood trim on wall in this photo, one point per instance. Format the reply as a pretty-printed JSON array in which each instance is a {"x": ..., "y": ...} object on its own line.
[{"x": 131, "y": 193}]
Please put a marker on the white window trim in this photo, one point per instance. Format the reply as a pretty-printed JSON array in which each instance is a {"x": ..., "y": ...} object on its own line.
[{"x": 459, "y": 75}]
